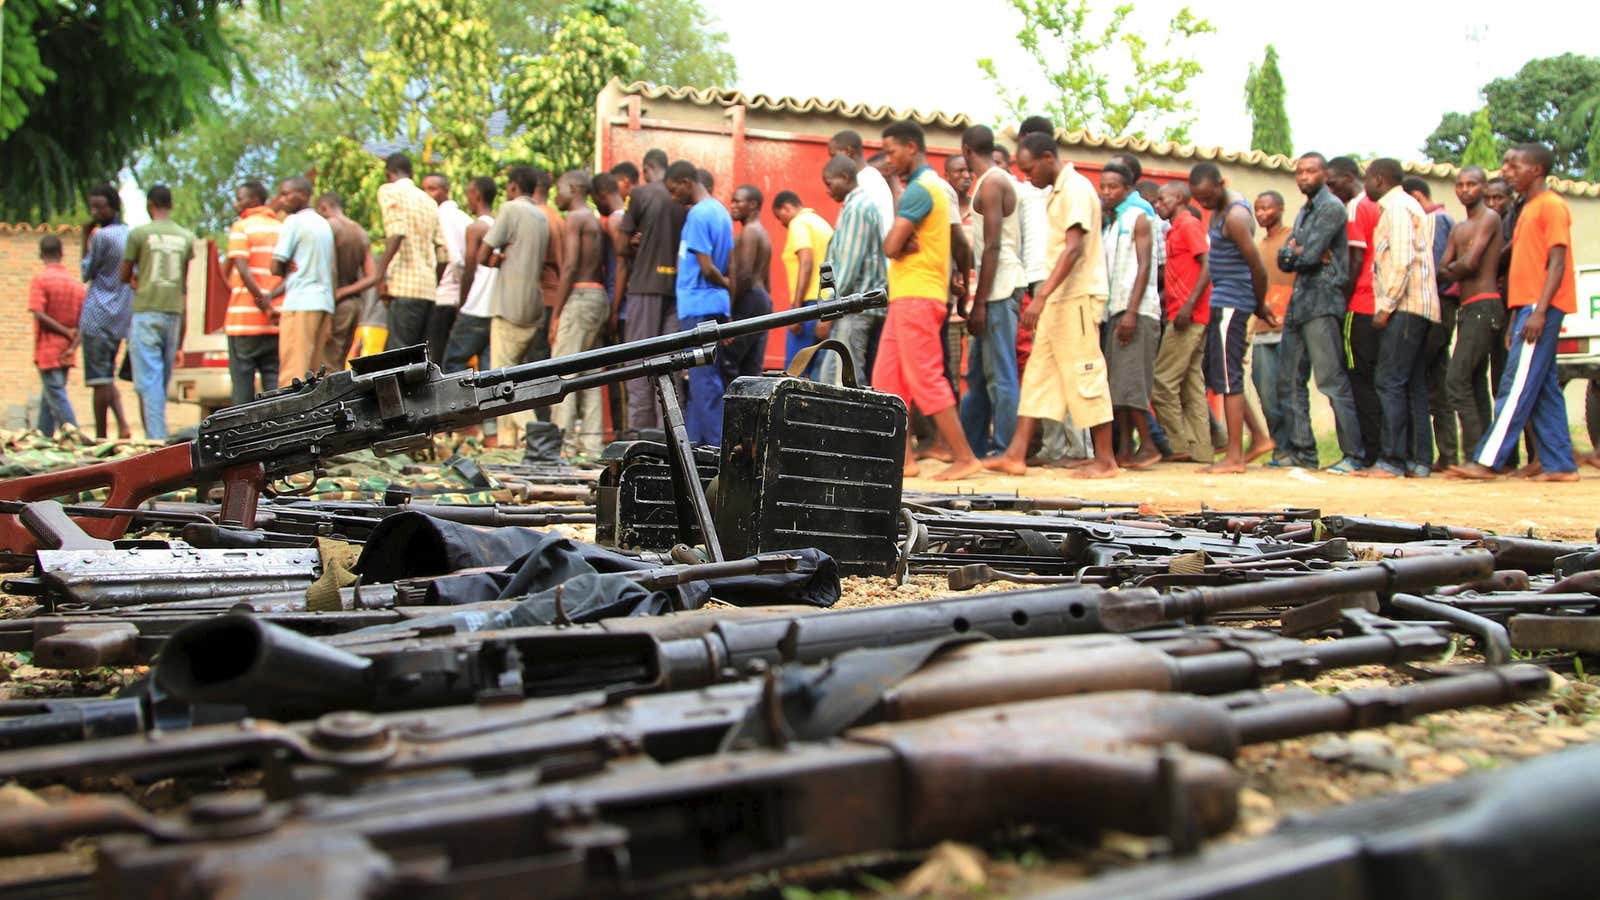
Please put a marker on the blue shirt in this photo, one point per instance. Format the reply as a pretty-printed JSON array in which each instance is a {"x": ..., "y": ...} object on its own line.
[
  {"x": 708, "y": 230},
  {"x": 1231, "y": 284},
  {"x": 307, "y": 240},
  {"x": 108, "y": 303}
]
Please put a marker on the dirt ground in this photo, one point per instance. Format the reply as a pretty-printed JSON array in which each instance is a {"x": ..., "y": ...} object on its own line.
[{"x": 1569, "y": 511}]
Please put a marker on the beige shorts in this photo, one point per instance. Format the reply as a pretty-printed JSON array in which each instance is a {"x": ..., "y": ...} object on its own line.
[{"x": 1066, "y": 373}]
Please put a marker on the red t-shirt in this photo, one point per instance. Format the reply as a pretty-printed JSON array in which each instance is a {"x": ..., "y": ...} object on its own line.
[
  {"x": 1186, "y": 240},
  {"x": 57, "y": 294},
  {"x": 1364, "y": 214}
]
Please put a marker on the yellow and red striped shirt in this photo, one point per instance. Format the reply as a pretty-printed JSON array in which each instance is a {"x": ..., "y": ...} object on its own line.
[{"x": 251, "y": 239}]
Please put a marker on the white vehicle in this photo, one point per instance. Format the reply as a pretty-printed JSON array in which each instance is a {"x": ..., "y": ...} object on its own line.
[
  {"x": 200, "y": 373},
  {"x": 1578, "y": 350}
]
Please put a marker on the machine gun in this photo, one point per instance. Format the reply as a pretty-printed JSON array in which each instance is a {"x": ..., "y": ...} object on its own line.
[
  {"x": 389, "y": 402},
  {"x": 280, "y": 674},
  {"x": 1139, "y": 762},
  {"x": 858, "y": 687},
  {"x": 1508, "y": 833}
]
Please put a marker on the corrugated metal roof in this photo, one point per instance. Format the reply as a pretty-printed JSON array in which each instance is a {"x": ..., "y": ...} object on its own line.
[{"x": 1140, "y": 146}]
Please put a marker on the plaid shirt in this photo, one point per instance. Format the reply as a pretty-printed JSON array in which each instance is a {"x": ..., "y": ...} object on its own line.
[
  {"x": 412, "y": 214},
  {"x": 1402, "y": 274},
  {"x": 108, "y": 305},
  {"x": 856, "y": 250}
]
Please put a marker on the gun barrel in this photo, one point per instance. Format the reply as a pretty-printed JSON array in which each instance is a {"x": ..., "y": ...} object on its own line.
[
  {"x": 233, "y": 657},
  {"x": 1527, "y": 553},
  {"x": 1385, "y": 577},
  {"x": 1298, "y": 713},
  {"x": 709, "y": 333}
]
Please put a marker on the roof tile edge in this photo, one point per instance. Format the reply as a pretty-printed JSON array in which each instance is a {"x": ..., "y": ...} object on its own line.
[{"x": 711, "y": 96}]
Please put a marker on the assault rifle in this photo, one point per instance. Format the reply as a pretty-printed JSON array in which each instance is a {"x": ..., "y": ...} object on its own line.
[
  {"x": 133, "y": 635},
  {"x": 389, "y": 402},
  {"x": 279, "y": 674},
  {"x": 881, "y": 684},
  {"x": 1509, "y": 833},
  {"x": 1134, "y": 761}
]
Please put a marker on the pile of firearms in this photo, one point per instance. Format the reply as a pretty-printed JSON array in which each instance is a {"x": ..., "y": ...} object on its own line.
[{"x": 473, "y": 708}]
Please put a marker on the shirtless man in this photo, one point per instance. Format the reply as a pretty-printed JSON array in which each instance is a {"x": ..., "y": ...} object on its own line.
[
  {"x": 749, "y": 274},
  {"x": 579, "y": 309},
  {"x": 1472, "y": 260}
]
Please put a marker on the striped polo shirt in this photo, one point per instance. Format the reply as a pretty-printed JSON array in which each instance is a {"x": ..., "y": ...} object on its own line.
[{"x": 251, "y": 239}]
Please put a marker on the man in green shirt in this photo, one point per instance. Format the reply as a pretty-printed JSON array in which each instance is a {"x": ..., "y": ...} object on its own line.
[{"x": 156, "y": 263}]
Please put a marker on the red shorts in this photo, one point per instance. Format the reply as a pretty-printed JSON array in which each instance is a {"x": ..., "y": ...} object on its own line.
[{"x": 910, "y": 361}]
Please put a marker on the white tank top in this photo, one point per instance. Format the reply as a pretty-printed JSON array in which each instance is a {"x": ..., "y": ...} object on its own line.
[
  {"x": 482, "y": 281},
  {"x": 1008, "y": 275}
]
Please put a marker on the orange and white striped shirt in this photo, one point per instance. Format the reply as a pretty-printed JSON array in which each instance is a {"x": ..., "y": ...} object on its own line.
[{"x": 251, "y": 239}]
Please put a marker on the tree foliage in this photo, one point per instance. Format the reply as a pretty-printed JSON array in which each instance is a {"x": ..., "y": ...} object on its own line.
[
  {"x": 551, "y": 101},
  {"x": 88, "y": 82},
  {"x": 1266, "y": 99},
  {"x": 1554, "y": 100},
  {"x": 1482, "y": 149},
  {"x": 302, "y": 82},
  {"x": 1078, "y": 57},
  {"x": 433, "y": 84},
  {"x": 307, "y": 96}
]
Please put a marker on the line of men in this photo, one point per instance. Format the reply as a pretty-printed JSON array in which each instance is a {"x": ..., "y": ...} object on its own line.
[
  {"x": 1134, "y": 309},
  {"x": 1130, "y": 307}
]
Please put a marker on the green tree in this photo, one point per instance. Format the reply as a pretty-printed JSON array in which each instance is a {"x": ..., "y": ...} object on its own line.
[
  {"x": 301, "y": 101},
  {"x": 301, "y": 81},
  {"x": 1536, "y": 104},
  {"x": 1481, "y": 149},
  {"x": 433, "y": 84},
  {"x": 1074, "y": 55},
  {"x": 84, "y": 84},
  {"x": 551, "y": 102},
  {"x": 1264, "y": 97}
]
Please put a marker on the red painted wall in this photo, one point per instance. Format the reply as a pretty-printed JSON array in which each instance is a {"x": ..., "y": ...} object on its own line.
[{"x": 772, "y": 161}]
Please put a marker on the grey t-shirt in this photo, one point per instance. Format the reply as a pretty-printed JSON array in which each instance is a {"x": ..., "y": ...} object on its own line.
[{"x": 522, "y": 233}]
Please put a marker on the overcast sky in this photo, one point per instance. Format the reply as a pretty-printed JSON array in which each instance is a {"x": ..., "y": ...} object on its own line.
[{"x": 1339, "y": 100}]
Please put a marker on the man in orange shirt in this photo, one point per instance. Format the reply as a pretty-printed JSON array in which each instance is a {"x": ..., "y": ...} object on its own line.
[
  {"x": 55, "y": 299},
  {"x": 252, "y": 318},
  {"x": 1541, "y": 290}
]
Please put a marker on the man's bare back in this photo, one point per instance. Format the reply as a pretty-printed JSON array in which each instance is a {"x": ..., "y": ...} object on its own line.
[
  {"x": 583, "y": 228},
  {"x": 1479, "y": 233},
  {"x": 752, "y": 257}
]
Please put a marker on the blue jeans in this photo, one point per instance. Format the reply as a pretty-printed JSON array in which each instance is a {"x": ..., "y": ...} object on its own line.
[
  {"x": 1402, "y": 383},
  {"x": 703, "y": 410},
  {"x": 152, "y": 346},
  {"x": 1530, "y": 391},
  {"x": 55, "y": 409},
  {"x": 1316, "y": 348},
  {"x": 993, "y": 387},
  {"x": 469, "y": 337},
  {"x": 1264, "y": 359}
]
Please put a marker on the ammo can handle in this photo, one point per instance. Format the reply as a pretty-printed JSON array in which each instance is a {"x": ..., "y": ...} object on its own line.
[{"x": 847, "y": 366}]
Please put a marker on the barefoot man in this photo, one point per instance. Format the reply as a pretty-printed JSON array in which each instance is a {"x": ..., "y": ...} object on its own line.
[
  {"x": 1541, "y": 288},
  {"x": 1238, "y": 288},
  {"x": 1066, "y": 372},
  {"x": 910, "y": 361},
  {"x": 1472, "y": 260}
]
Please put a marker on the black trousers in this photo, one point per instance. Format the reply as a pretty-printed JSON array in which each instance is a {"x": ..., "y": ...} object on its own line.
[
  {"x": 1480, "y": 330},
  {"x": 1361, "y": 361},
  {"x": 1446, "y": 439}
]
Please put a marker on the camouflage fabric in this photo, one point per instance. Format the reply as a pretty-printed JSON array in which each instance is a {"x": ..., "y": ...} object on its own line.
[{"x": 356, "y": 476}]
